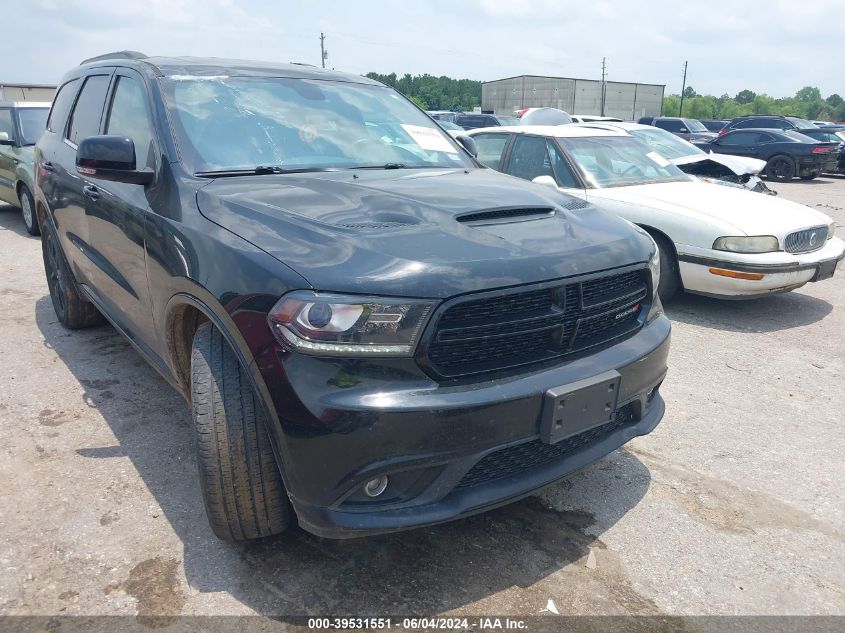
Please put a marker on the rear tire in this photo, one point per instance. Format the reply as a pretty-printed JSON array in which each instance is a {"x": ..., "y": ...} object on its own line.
[
  {"x": 670, "y": 277},
  {"x": 781, "y": 168},
  {"x": 28, "y": 211},
  {"x": 242, "y": 487},
  {"x": 73, "y": 310}
]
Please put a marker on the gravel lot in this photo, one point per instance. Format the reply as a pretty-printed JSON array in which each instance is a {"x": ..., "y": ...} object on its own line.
[{"x": 733, "y": 505}]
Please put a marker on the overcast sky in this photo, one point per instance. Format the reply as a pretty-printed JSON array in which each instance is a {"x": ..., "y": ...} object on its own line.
[{"x": 776, "y": 46}]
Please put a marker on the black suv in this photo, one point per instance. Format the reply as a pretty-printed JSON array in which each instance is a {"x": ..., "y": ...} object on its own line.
[
  {"x": 374, "y": 331},
  {"x": 690, "y": 130},
  {"x": 768, "y": 121}
]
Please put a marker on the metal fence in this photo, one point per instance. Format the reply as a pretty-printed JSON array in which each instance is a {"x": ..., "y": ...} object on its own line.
[{"x": 576, "y": 96}]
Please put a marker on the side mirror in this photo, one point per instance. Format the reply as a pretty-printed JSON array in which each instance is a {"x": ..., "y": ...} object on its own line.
[
  {"x": 683, "y": 130},
  {"x": 5, "y": 140},
  {"x": 468, "y": 144},
  {"x": 110, "y": 158},
  {"x": 545, "y": 180}
]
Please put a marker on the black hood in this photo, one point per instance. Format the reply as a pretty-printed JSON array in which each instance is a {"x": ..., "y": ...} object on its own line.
[{"x": 420, "y": 233}]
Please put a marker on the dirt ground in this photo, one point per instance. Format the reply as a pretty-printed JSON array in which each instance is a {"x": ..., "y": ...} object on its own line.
[{"x": 735, "y": 504}]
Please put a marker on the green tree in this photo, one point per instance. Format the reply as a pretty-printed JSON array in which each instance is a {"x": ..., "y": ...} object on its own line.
[
  {"x": 671, "y": 105},
  {"x": 745, "y": 96},
  {"x": 689, "y": 92}
]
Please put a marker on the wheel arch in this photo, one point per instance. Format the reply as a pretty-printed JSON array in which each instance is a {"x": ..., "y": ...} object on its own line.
[{"x": 657, "y": 233}]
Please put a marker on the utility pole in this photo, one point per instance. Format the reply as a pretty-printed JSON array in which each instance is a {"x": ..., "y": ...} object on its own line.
[
  {"x": 683, "y": 88},
  {"x": 603, "y": 83},
  {"x": 324, "y": 54}
]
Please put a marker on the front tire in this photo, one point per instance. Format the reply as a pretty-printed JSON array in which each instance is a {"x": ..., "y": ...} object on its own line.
[
  {"x": 73, "y": 310},
  {"x": 781, "y": 168},
  {"x": 242, "y": 487},
  {"x": 670, "y": 276},
  {"x": 28, "y": 211}
]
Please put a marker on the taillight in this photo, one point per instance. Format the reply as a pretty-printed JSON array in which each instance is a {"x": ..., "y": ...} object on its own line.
[
  {"x": 822, "y": 150},
  {"x": 723, "y": 131}
]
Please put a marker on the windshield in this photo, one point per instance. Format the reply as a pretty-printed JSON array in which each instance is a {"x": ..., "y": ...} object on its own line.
[
  {"x": 619, "y": 161},
  {"x": 665, "y": 143},
  {"x": 240, "y": 123},
  {"x": 694, "y": 125},
  {"x": 32, "y": 121}
]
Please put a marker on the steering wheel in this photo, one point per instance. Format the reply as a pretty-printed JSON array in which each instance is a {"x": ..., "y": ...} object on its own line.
[{"x": 632, "y": 168}]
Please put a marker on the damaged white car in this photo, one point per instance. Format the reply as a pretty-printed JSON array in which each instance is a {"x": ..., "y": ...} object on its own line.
[
  {"x": 737, "y": 171},
  {"x": 719, "y": 241}
]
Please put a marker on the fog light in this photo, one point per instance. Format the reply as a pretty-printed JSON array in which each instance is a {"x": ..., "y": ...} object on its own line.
[{"x": 374, "y": 487}]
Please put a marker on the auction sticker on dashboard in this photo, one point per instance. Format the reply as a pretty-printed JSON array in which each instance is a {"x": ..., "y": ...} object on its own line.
[
  {"x": 428, "y": 138},
  {"x": 657, "y": 158}
]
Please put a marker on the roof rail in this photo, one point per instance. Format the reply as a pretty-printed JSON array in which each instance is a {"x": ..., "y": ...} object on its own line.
[{"x": 115, "y": 55}]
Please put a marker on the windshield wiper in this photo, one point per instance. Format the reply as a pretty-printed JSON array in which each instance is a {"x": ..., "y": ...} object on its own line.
[
  {"x": 260, "y": 170},
  {"x": 385, "y": 166}
]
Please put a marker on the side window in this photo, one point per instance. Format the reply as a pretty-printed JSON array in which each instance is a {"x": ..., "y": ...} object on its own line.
[
  {"x": 563, "y": 174},
  {"x": 529, "y": 158},
  {"x": 61, "y": 106},
  {"x": 669, "y": 124},
  {"x": 766, "y": 138},
  {"x": 7, "y": 128},
  {"x": 85, "y": 118},
  {"x": 740, "y": 138},
  {"x": 490, "y": 148},
  {"x": 746, "y": 123},
  {"x": 128, "y": 117}
]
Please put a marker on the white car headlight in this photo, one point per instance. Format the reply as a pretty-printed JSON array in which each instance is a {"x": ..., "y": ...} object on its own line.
[
  {"x": 747, "y": 244},
  {"x": 831, "y": 230}
]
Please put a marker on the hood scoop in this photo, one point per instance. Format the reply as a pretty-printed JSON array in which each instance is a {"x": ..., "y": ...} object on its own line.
[
  {"x": 378, "y": 222},
  {"x": 504, "y": 216}
]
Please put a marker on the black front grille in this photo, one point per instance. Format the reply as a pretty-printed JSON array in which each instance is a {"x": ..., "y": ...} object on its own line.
[
  {"x": 521, "y": 326},
  {"x": 806, "y": 241},
  {"x": 517, "y": 459}
]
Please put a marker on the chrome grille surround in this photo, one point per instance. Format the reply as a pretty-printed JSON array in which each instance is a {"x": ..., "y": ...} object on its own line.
[{"x": 806, "y": 240}]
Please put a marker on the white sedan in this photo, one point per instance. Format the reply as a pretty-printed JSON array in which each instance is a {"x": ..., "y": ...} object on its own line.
[{"x": 716, "y": 241}]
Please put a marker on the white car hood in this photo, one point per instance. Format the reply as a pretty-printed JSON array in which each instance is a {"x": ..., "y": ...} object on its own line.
[
  {"x": 749, "y": 212},
  {"x": 740, "y": 165}
]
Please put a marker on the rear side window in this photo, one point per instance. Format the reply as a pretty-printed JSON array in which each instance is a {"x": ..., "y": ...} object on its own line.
[
  {"x": 128, "y": 117},
  {"x": 85, "y": 118},
  {"x": 748, "y": 123},
  {"x": 490, "y": 148},
  {"x": 61, "y": 105}
]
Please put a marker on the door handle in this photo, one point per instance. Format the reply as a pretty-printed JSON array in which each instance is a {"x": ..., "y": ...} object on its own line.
[
  {"x": 91, "y": 191},
  {"x": 47, "y": 166}
]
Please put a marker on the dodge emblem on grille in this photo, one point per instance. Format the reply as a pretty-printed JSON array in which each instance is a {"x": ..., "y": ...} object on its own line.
[{"x": 625, "y": 313}]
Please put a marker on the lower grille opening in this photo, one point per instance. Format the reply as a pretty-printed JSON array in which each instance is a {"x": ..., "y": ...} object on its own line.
[{"x": 515, "y": 460}]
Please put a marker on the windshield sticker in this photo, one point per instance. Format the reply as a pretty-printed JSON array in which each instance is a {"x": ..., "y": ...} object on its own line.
[
  {"x": 428, "y": 138},
  {"x": 657, "y": 158}
]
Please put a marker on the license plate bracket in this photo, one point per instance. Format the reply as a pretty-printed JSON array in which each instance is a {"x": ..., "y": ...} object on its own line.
[
  {"x": 579, "y": 406},
  {"x": 825, "y": 270}
]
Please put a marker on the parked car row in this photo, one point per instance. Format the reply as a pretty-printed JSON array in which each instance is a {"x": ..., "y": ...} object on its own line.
[{"x": 375, "y": 329}]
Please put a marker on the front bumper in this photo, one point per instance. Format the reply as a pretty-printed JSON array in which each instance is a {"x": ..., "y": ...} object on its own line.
[
  {"x": 781, "y": 271},
  {"x": 431, "y": 439}
]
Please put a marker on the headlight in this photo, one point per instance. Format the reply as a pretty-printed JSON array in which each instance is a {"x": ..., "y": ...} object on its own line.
[
  {"x": 338, "y": 325},
  {"x": 831, "y": 230},
  {"x": 747, "y": 244},
  {"x": 654, "y": 267}
]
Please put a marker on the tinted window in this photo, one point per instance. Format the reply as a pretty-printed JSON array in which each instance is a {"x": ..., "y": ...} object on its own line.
[
  {"x": 6, "y": 126},
  {"x": 128, "y": 117},
  {"x": 490, "y": 148},
  {"x": 766, "y": 138},
  {"x": 474, "y": 121},
  {"x": 529, "y": 158},
  {"x": 669, "y": 124},
  {"x": 85, "y": 118},
  {"x": 563, "y": 174},
  {"x": 746, "y": 123},
  {"x": 740, "y": 138},
  {"x": 32, "y": 122},
  {"x": 61, "y": 105}
]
